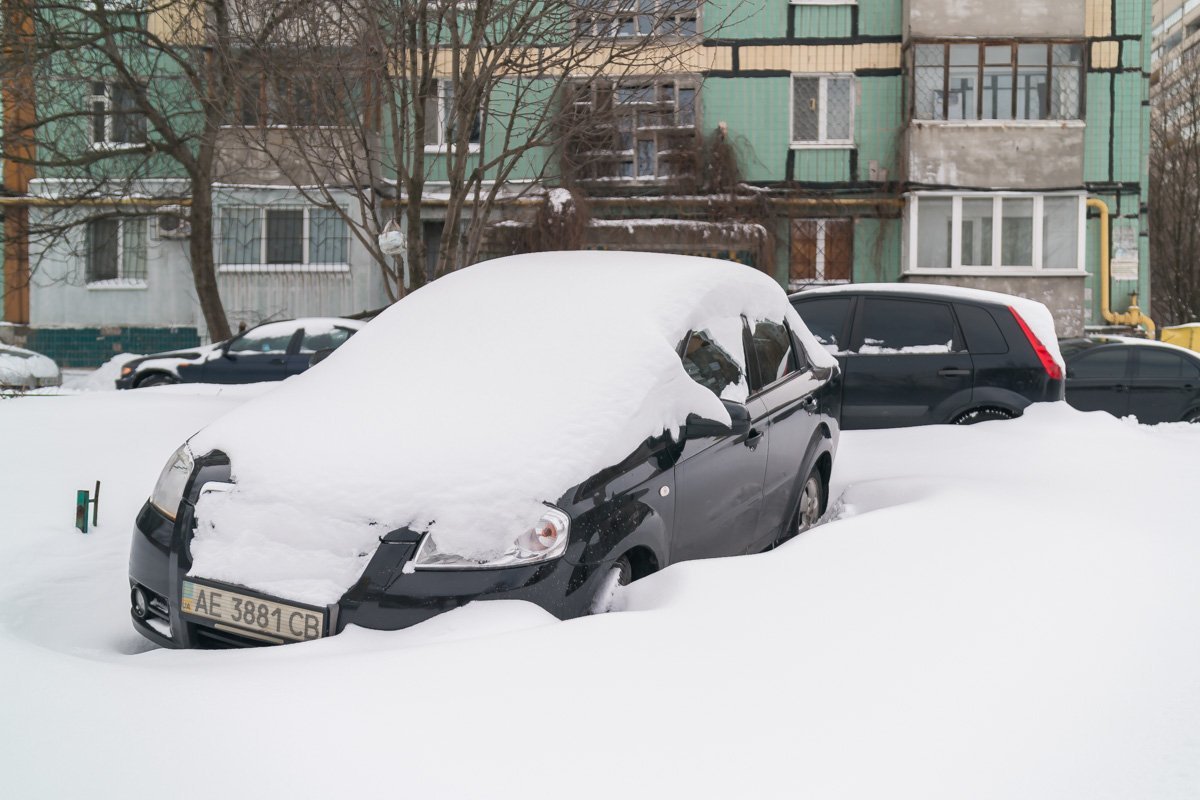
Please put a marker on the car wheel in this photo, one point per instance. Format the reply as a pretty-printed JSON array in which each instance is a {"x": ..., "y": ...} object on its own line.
[
  {"x": 812, "y": 504},
  {"x": 618, "y": 575},
  {"x": 156, "y": 379},
  {"x": 981, "y": 415}
]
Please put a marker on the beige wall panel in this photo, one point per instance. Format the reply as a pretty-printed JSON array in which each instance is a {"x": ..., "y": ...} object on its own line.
[
  {"x": 1105, "y": 55},
  {"x": 1098, "y": 18},
  {"x": 821, "y": 58}
]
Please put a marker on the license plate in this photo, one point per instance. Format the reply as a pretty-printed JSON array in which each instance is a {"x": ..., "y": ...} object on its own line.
[{"x": 255, "y": 617}]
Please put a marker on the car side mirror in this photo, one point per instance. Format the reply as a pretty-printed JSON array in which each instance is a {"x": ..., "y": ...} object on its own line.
[
  {"x": 319, "y": 356},
  {"x": 697, "y": 427}
]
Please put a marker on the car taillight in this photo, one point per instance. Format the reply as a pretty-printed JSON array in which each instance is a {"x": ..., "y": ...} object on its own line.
[{"x": 1048, "y": 363}]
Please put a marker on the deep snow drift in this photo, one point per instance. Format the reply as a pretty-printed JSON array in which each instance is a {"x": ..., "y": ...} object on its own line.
[{"x": 1001, "y": 611}]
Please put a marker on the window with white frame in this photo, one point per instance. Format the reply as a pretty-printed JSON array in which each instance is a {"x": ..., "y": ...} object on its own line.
[
  {"x": 116, "y": 252},
  {"x": 632, "y": 18},
  {"x": 822, "y": 110},
  {"x": 282, "y": 238},
  {"x": 115, "y": 115},
  {"x": 997, "y": 80},
  {"x": 440, "y": 120},
  {"x": 988, "y": 231}
]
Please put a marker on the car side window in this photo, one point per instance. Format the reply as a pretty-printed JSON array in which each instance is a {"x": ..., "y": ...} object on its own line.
[
  {"x": 713, "y": 367},
  {"x": 826, "y": 318},
  {"x": 1162, "y": 364},
  {"x": 773, "y": 354},
  {"x": 1107, "y": 364},
  {"x": 272, "y": 338},
  {"x": 980, "y": 330},
  {"x": 324, "y": 339},
  {"x": 891, "y": 326}
]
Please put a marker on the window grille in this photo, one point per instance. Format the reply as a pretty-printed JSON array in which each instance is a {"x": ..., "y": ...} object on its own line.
[
  {"x": 822, "y": 109},
  {"x": 116, "y": 251},
  {"x": 277, "y": 238},
  {"x": 822, "y": 250}
]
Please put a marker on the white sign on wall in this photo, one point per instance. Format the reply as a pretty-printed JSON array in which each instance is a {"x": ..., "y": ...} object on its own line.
[{"x": 1124, "y": 263}]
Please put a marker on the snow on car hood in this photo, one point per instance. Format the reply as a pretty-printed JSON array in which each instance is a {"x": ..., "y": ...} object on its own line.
[
  {"x": 461, "y": 410},
  {"x": 21, "y": 367}
]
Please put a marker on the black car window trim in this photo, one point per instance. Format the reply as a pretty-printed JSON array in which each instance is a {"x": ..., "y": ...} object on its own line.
[
  {"x": 957, "y": 343},
  {"x": 1182, "y": 360},
  {"x": 293, "y": 347},
  {"x": 1100, "y": 349}
]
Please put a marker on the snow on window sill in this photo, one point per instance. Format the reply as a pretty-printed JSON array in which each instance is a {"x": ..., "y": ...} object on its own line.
[
  {"x": 838, "y": 145},
  {"x": 117, "y": 283},
  {"x": 999, "y": 123},
  {"x": 994, "y": 272},
  {"x": 445, "y": 148},
  {"x": 260, "y": 268},
  {"x": 118, "y": 145}
]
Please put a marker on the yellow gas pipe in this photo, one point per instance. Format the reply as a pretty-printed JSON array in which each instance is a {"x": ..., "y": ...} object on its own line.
[{"x": 1134, "y": 315}]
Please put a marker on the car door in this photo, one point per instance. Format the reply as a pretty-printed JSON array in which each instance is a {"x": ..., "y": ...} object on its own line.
[
  {"x": 1098, "y": 380},
  {"x": 259, "y": 354},
  {"x": 781, "y": 378},
  {"x": 1163, "y": 386},
  {"x": 719, "y": 479},
  {"x": 907, "y": 364}
]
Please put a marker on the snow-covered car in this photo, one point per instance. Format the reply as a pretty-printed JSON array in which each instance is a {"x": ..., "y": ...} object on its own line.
[
  {"x": 268, "y": 352},
  {"x": 542, "y": 427},
  {"x": 1152, "y": 381},
  {"x": 920, "y": 354},
  {"x": 22, "y": 369}
]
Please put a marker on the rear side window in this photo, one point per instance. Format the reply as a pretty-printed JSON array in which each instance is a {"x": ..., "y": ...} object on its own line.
[
  {"x": 326, "y": 339},
  {"x": 711, "y": 366},
  {"x": 773, "y": 357},
  {"x": 826, "y": 317},
  {"x": 980, "y": 330},
  {"x": 892, "y": 326},
  {"x": 1109, "y": 363},
  {"x": 273, "y": 338},
  {"x": 1162, "y": 364}
]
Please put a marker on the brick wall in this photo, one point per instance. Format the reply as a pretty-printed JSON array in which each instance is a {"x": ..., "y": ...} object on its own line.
[{"x": 91, "y": 347}]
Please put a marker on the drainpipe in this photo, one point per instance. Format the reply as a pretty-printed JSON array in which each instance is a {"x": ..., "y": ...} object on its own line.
[{"x": 1134, "y": 315}]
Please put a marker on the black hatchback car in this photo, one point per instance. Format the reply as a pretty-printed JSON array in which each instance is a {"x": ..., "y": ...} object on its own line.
[
  {"x": 581, "y": 420},
  {"x": 919, "y": 355},
  {"x": 1152, "y": 381}
]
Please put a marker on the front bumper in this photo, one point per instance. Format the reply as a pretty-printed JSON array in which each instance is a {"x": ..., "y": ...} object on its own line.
[{"x": 385, "y": 597}]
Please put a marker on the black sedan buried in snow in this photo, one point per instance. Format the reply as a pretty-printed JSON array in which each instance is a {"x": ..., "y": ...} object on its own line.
[
  {"x": 1152, "y": 381},
  {"x": 543, "y": 427}
]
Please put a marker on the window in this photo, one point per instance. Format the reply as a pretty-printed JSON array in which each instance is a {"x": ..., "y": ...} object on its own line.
[
  {"x": 439, "y": 121},
  {"x": 821, "y": 251},
  {"x": 273, "y": 337},
  {"x": 1005, "y": 80},
  {"x": 280, "y": 238},
  {"x": 1106, "y": 364},
  {"x": 987, "y": 231},
  {"x": 116, "y": 118},
  {"x": 324, "y": 338},
  {"x": 905, "y": 326},
  {"x": 293, "y": 100},
  {"x": 116, "y": 252},
  {"x": 712, "y": 366},
  {"x": 1154, "y": 364},
  {"x": 826, "y": 318},
  {"x": 822, "y": 110},
  {"x": 636, "y": 130},
  {"x": 632, "y": 18},
  {"x": 772, "y": 354},
  {"x": 982, "y": 334}
]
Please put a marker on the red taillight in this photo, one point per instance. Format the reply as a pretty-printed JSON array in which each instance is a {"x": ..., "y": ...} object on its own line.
[{"x": 1048, "y": 363}]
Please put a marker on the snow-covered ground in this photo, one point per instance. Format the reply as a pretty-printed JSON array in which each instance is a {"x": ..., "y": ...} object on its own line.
[{"x": 1008, "y": 610}]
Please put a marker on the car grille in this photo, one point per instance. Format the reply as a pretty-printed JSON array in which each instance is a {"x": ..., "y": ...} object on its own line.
[{"x": 213, "y": 639}]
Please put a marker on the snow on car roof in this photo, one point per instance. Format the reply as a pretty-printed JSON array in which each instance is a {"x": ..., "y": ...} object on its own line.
[
  {"x": 1036, "y": 315},
  {"x": 462, "y": 409},
  {"x": 1118, "y": 339}
]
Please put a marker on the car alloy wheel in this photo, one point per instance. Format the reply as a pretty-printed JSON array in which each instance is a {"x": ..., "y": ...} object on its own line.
[
  {"x": 809, "y": 512},
  {"x": 618, "y": 575},
  {"x": 982, "y": 415}
]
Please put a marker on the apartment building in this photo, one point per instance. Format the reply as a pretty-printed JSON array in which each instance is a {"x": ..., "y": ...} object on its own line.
[{"x": 939, "y": 141}]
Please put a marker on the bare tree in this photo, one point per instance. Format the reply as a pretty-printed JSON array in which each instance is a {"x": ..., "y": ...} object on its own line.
[{"x": 1175, "y": 195}]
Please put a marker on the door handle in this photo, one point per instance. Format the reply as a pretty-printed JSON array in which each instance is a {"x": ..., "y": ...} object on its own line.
[
  {"x": 1120, "y": 387},
  {"x": 278, "y": 361},
  {"x": 753, "y": 438},
  {"x": 952, "y": 372}
]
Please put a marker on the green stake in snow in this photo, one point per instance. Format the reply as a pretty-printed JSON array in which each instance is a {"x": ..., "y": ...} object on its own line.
[{"x": 81, "y": 508}]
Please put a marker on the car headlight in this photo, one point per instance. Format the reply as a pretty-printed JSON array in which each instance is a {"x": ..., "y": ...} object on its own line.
[
  {"x": 545, "y": 540},
  {"x": 168, "y": 492}
]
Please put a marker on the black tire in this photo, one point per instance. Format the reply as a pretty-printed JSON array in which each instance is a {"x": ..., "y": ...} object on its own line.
[
  {"x": 156, "y": 379},
  {"x": 620, "y": 573},
  {"x": 982, "y": 415}
]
